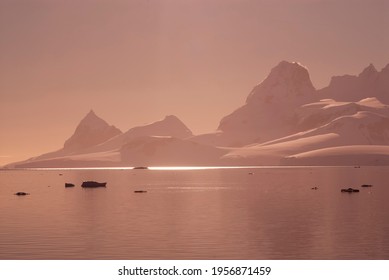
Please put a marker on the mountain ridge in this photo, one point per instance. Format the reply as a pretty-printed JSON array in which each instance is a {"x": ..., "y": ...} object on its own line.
[
  {"x": 284, "y": 115},
  {"x": 369, "y": 83}
]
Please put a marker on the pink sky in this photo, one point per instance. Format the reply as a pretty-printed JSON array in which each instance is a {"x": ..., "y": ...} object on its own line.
[{"x": 134, "y": 62}]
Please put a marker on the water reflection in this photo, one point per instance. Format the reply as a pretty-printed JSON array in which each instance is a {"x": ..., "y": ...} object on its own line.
[{"x": 211, "y": 213}]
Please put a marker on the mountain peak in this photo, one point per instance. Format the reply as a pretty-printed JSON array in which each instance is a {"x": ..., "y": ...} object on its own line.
[
  {"x": 171, "y": 118},
  {"x": 286, "y": 68},
  {"x": 92, "y": 120},
  {"x": 92, "y": 130},
  {"x": 288, "y": 64},
  {"x": 91, "y": 113},
  {"x": 286, "y": 80},
  {"x": 368, "y": 71},
  {"x": 290, "y": 72},
  {"x": 168, "y": 126}
]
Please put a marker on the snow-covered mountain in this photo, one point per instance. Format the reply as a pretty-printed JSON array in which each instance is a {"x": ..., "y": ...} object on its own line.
[
  {"x": 140, "y": 151},
  {"x": 285, "y": 120},
  {"x": 96, "y": 143},
  {"x": 269, "y": 111},
  {"x": 91, "y": 131},
  {"x": 286, "y": 103},
  {"x": 169, "y": 126},
  {"x": 317, "y": 125},
  {"x": 361, "y": 128}
]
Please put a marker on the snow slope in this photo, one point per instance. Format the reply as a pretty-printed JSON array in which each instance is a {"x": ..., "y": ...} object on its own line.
[
  {"x": 169, "y": 126},
  {"x": 361, "y": 128},
  {"x": 356, "y": 155},
  {"x": 316, "y": 114}
]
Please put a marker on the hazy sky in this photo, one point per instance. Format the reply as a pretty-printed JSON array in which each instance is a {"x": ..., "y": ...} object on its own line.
[{"x": 136, "y": 61}]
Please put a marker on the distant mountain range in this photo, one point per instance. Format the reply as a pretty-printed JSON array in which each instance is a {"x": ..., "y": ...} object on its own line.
[{"x": 285, "y": 121}]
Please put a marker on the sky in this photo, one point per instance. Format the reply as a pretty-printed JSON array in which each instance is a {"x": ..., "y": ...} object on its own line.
[{"x": 134, "y": 62}]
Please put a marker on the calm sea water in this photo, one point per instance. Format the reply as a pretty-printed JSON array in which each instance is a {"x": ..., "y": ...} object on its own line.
[{"x": 243, "y": 213}]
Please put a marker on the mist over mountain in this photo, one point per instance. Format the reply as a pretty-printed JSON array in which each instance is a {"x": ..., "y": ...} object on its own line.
[{"x": 283, "y": 121}]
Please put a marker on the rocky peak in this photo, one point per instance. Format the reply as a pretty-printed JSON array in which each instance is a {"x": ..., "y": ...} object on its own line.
[
  {"x": 92, "y": 120},
  {"x": 369, "y": 83},
  {"x": 286, "y": 80},
  {"x": 171, "y": 118},
  {"x": 289, "y": 71},
  {"x": 92, "y": 130},
  {"x": 368, "y": 72}
]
